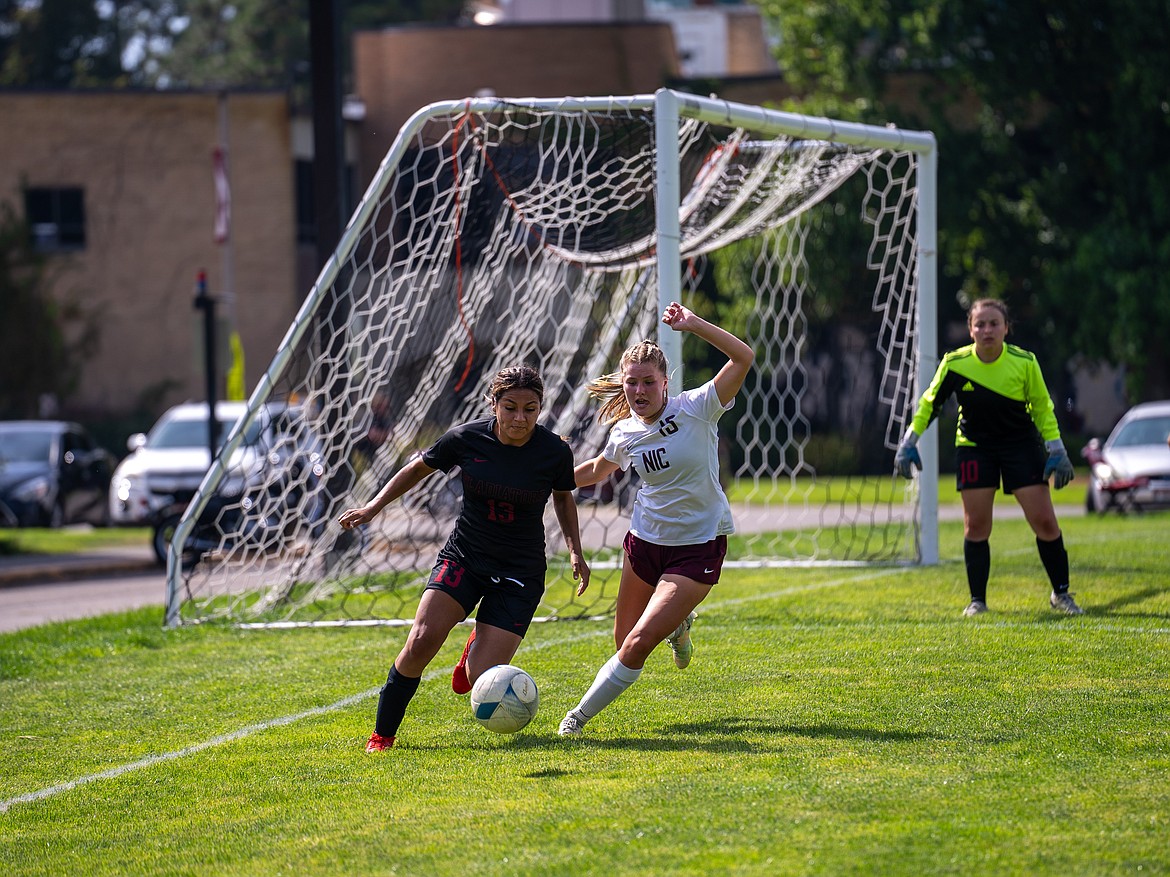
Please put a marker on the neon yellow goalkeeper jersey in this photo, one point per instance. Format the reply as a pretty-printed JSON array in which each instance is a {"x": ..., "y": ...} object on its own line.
[{"x": 1001, "y": 402}]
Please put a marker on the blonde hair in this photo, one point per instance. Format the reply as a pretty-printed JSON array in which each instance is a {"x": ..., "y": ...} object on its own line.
[{"x": 609, "y": 388}]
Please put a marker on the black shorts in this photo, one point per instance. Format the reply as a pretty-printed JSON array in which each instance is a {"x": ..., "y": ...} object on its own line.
[
  {"x": 506, "y": 602},
  {"x": 701, "y": 563},
  {"x": 1018, "y": 465}
]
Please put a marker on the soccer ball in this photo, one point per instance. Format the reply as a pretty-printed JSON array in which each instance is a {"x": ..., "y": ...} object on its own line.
[{"x": 504, "y": 699}]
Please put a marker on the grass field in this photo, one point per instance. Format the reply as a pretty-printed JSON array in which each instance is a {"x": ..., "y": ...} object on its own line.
[
  {"x": 834, "y": 721},
  {"x": 36, "y": 540},
  {"x": 861, "y": 489}
]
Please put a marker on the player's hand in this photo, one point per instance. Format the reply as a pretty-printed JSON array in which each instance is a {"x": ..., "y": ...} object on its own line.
[
  {"x": 351, "y": 518},
  {"x": 907, "y": 458},
  {"x": 679, "y": 318},
  {"x": 1058, "y": 467},
  {"x": 580, "y": 572}
]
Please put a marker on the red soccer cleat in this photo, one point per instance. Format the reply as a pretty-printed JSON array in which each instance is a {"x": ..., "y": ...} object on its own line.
[
  {"x": 378, "y": 743},
  {"x": 460, "y": 684}
]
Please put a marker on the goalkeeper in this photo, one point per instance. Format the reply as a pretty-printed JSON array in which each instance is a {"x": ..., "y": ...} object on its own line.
[{"x": 1007, "y": 430}]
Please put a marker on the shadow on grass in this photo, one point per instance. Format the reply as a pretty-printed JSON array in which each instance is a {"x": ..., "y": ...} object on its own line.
[
  {"x": 727, "y": 736},
  {"x": 837, "y": 732},
  {"x": 1128, "y": 599}
]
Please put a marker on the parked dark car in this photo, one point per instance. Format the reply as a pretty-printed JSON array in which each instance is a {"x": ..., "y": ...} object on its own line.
[{"x": 52, "y": 473}]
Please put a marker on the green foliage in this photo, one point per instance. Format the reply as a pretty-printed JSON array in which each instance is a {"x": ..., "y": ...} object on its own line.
[
  {"x": 58, "y": 44},
  {"x": 1054, "y": 194},
  {"x": 834, "y": 721},
  {"x": 179, "y": 43},
  {"x": 43, "y": 339},
  {"x": 253, "y": 43}
]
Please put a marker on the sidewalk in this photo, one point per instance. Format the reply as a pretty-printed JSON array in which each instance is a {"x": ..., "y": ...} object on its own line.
[
  {"x": 26, "y": 568},
  {"x": 23, "y": 569}
]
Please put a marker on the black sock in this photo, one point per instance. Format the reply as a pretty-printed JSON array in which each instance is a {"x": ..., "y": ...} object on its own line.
[
  {"x": 392, "y": 701},
  {"x": 1055, "y": 559},
  {"x": 977, "y": 556}
]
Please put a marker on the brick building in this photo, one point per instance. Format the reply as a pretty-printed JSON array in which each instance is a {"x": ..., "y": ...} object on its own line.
[
  {"x": 119, "y": 188},
  {"x": 399, "y": 70},
  {"x": 141, "y": 164}
]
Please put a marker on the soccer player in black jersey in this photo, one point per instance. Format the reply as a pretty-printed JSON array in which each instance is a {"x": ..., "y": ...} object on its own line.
[
  {"x": 1007, "y": 431},
  {"x": 494, "y": 557}
]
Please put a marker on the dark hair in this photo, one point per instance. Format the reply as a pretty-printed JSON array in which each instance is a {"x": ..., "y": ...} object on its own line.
[
  {"x": 519, "y": 377},
  {"x": 990, "y": 303}
]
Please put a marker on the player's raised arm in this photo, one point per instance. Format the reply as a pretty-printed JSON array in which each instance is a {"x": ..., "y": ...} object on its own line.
[{"x": 739, "y": 355}]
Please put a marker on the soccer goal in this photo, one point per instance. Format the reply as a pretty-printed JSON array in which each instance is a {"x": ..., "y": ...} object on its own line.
[{"x": 553, "y": 232}]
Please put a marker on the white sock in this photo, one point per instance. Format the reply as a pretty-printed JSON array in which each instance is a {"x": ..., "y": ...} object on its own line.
[{"x": 612, "y": 679}]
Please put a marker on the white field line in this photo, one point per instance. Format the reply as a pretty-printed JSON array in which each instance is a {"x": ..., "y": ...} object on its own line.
[
  {"x": 248, "y": 730},
  {"x": 113, "y": 772},
  {"x": 241, "y": 733}
]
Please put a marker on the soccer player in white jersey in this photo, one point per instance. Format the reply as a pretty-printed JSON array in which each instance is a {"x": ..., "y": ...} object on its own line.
[{"x": 678, "y": 531}]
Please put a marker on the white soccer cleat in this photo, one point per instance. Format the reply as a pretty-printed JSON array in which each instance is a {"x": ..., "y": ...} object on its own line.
[
  {"x": 680, "y": 643},
  {"x": 571, "y": 726},
  {"x": 975, "y": 607},
  {"x": 1065, "y": 603}
]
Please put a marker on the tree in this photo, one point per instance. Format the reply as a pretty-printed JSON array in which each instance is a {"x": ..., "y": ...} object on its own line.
[
  {"x": 266, "y": 42},
  {"x": 250, "y": 43},
  {"x": 42, "y": 341},
  {"x": 1055, "y": 191},
  {"x": 178, "y": 43},
  {"x": 57, "y": 44}
]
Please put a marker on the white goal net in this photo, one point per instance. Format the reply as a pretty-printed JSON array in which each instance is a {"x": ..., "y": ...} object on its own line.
[{"x": 550, "y": 233}]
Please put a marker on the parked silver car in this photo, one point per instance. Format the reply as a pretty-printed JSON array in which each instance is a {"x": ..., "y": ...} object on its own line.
[
  {"x": 1131, "y": 470},
  {"x": 167, "y": 464}
]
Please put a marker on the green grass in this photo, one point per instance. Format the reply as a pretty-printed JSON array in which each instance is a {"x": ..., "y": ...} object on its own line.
[
  {"x": 68, "y": 540},
  {"x": 892, "y": 489},
  {"x": 834, "y": 721},
  {"x": 73, "y": 539}
]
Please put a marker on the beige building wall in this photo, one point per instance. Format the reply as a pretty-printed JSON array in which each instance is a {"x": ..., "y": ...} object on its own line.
[
  {"x": 747, "y": 49},
  {"x": 144, "y": 161},
  {"x": 400, "y": 70}
]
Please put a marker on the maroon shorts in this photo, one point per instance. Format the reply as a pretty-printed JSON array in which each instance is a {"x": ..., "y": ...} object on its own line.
[{"x": 651, "y": 562}]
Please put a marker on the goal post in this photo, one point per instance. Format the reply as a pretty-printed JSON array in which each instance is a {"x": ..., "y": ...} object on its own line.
[{"x": 553, "y": 232}]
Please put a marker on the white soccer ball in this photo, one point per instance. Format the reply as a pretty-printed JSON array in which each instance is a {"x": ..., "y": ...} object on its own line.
[{"x": 504, "y": 699}]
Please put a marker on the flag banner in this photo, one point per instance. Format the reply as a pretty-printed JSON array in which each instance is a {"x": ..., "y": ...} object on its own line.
[
  {"x": 223, "y": 197},
  {"x": 236, "y": 382}
]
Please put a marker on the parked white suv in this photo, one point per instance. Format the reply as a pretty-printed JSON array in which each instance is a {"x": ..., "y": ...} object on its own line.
[{"x": 167, "y": 464}]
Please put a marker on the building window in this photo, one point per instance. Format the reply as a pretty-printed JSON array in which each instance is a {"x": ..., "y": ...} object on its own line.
[{"x": 56, "y": 218}]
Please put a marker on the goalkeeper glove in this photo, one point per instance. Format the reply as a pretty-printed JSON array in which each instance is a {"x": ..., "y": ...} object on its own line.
[
  {"x": 907, "y": 456},
  {"x": 1059, "y": 467}
]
